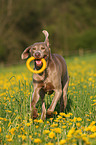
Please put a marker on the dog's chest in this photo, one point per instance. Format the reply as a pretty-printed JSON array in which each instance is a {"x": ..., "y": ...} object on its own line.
[{"x": 48, "y": 87}]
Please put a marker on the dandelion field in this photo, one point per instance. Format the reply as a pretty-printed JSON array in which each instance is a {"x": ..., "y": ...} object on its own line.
[{"x": 75, "y": 126}]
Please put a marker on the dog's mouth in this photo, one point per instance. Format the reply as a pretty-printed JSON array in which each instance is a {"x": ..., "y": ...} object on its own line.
[{"x": 39, "y": 62}]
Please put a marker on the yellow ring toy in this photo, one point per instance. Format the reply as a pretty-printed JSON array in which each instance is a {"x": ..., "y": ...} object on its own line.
[{"x": 36, "y": 71}]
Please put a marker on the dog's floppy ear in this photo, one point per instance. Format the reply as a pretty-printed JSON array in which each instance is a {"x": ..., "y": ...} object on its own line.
[
  {"x": 50, "y": 53},
  {"x": 25, "y": 53},
  {"x": 46, "y": 37}
]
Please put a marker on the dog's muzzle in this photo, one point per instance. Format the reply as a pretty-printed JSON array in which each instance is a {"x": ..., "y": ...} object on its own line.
[{"x": 37, "y": 55}]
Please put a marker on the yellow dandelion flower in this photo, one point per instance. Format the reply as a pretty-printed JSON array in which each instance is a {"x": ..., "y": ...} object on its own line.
[
  {"x": 37, "y": 126},
  {"x": 35, "y": 133},
  {"x": 84, "y": 86},
  {"x": 91, "y": 97},
  {"x": 19, "y": 136},
  {"x": 30, "y": 136},
  {"x": 28, "y": 124},
  {"x": 56, "y": 120},
  {"x": 51, "y": 119},
  {"x": 46, "y": 131},
  {"x": 79, "y": 131},
  {"x": 0, "y": 129},
  {"x": 54, "y": 125},
  {"x": 78, "y": 124},
  {"x": 19, "y": 117},
  {"x": 22, "y": 128},
  {"x": 94, "y": 100},
  {"x": 31, "y": 121},
  {"x": 57, "y": 130},
  {"x": 59, "y": 117},
  {"x": 12, "y": 130},
  {"x": 14, "y": 114},
  {"x": 35, "y": 120},
  {"x": 70, "y": 114},
  {"x": 49, "y": 143},
  {"x": 1, "y": 118},
  {"x": 23, "y": 137},
  {"x": 94, "y": 104},
  {"x": 85, "y": 139},
  {"x": 51, "y": 134},
  {"x": 64, "y": 126},
  {"x": 9, "y": 139},
  {"x": 70, "y": 124},
  {"x": 87, "y": 128},
  {"x": 48, "y": 122},
  {"x": 92, "y": 135},
  {"x": 87, "y": 115},
  {"x": 79, "y": 119},
  {"x": 39, "y": 134},
  {"x": 62, "y": 142},
  {"x": 93, "y": 128},
  {"x": 88, "y": 119},
  {"x": 37, "y": 140},
  {"x": 62, "y": 114},
  {"x": 92, "y": 123},
  {"x": 74, "y": 140},
  {"x": 67, "y": 115},
  {"x": 90, "y": 79},
  {"x": 8, "y": 136},
  {"x": 40, "y": 121},
  {"x": 74, "y": 119},
  {"x": 71, "y": 131}
]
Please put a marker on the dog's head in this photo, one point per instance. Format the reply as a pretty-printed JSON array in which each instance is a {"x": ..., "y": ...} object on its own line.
[{"x": 38, "y": 50}]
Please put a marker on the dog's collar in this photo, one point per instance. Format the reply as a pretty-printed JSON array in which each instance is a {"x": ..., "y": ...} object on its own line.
[{"x": 35, "y": 81}]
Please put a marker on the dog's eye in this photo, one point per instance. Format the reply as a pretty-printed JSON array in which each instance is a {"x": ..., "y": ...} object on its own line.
[
  {"x": 42, "y": 48},
  {"x": 34, "y": 48}
]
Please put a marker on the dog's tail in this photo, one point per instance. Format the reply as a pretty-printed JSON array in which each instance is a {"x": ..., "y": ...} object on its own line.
[{"x": 46, "y": 37}]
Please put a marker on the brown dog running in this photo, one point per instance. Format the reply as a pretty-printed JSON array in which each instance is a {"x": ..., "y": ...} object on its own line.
[{"x": 54, "y": 78}]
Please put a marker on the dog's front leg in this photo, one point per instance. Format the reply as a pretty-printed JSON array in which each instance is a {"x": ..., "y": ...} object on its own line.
[
  {"x": 42, "y": 95},
  {"x": 58, "y": 93},
  {"x": 43, "y": 115},
  {"x": 35, "y": 98}
]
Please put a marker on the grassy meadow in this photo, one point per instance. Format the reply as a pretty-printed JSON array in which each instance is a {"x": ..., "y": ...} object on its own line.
[{"x": 75, "y": 126}]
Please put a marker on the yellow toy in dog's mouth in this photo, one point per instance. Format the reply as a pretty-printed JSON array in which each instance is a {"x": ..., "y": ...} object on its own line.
[{"x": 36, "y": 71}]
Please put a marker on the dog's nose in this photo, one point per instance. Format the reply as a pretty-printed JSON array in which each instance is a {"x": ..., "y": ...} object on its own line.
[{"x": 37, "y": 54}]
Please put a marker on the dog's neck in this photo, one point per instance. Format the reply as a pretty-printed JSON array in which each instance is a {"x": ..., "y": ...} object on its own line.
[{"x": 44, "y": 73}]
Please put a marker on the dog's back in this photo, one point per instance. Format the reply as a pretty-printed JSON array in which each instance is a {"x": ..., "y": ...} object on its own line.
[{"x": 62, "y": 67}]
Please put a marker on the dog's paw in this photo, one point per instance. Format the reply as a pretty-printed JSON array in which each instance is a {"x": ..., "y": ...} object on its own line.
[
  {"x": 34, "y": 113},
  {"x": 49, "y": 114}
]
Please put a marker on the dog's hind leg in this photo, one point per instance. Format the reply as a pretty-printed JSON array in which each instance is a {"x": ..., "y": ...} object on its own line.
[
  {"x": 61, "y": 103},
  {"x": 65, "y": 92}
]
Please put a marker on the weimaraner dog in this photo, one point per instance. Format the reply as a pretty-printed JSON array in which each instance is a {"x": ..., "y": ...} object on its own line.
[{"x": 53, "y": 79}]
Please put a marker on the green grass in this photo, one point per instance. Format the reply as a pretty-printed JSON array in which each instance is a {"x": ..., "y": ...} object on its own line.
[{"x": 76, "y": 126}]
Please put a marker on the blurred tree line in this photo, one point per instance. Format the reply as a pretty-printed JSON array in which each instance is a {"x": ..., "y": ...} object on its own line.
[{"x": 70, "y": 23}]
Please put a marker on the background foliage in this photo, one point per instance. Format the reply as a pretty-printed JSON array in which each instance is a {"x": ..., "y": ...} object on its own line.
[{"x": 70, "y": 23}]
